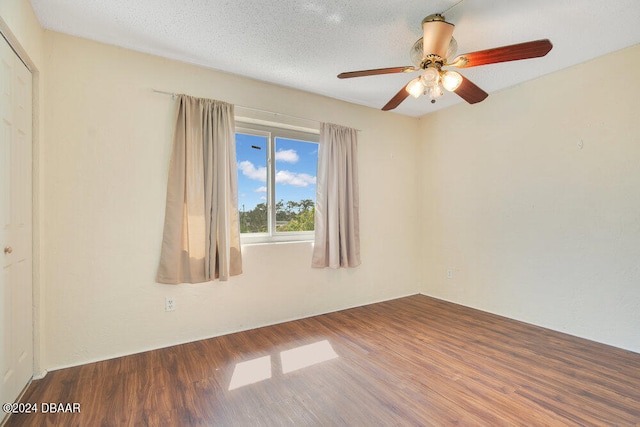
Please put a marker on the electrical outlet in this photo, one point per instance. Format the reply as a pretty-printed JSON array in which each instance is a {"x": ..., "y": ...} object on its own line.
[
  {"x": 169, "y": 304},
  {"x": 449, "y": 274}
]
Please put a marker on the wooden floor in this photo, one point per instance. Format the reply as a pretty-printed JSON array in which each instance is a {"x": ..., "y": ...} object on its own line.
[{"x": 411, "y": 361}]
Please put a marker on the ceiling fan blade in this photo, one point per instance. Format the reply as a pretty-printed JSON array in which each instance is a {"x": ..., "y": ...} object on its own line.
[
  {"x": 376, "y": 71},
  {"x": 514, "y": 52},
  {"x": 470, "y": 92},
  {"x": 397, "y": 99}
]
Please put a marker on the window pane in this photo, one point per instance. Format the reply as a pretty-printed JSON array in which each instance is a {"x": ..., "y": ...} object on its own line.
[
  {"x": 296, "y": 166},
  {"x": 251, "y": 152}
]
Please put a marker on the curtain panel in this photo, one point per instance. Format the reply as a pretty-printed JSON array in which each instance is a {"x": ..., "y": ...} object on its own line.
[
  {"x": 337, "y": 229},
  {"x": 201, "y": 240}
]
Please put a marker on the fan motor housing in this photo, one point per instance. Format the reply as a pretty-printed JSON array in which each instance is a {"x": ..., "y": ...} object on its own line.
[{"x": 436, "y": 35}]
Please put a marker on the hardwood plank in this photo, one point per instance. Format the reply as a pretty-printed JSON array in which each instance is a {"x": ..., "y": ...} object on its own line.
[{"x": 410, "y": 361}]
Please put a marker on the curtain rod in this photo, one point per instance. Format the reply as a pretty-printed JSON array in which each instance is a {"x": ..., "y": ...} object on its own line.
[{"x": 254, "y": 109}]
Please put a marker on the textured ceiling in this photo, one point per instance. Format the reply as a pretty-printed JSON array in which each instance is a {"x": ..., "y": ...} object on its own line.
[{"x": 304, "y": 44}]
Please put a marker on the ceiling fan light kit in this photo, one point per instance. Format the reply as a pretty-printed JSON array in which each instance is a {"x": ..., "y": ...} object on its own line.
[{"x": 437, "y": 49}]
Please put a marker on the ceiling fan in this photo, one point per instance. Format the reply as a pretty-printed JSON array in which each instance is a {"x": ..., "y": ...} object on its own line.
[{"x": 435, "y": 50}]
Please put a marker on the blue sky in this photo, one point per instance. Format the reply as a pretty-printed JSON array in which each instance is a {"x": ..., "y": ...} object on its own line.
[{"x": 296, "y": 165}]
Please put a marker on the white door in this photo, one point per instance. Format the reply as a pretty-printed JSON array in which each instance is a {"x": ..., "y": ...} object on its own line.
[{"x": 16, "y": 300}]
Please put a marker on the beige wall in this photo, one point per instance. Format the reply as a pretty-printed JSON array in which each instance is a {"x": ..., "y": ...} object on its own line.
[
  {"x": 533, "y": 226},
  {"x": 107, "y": 155}
]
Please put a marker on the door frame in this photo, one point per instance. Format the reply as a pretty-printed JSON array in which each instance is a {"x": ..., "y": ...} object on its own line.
[{"x": 37, "y": 184}]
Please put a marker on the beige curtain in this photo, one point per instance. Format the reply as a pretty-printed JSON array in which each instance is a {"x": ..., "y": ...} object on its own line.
[
  {"x": 201, "y": 239},
  {"x": 337, "y": 230}
]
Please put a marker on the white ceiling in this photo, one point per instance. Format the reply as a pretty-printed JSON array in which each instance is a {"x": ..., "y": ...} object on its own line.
[{"x": 304, "y": 44}]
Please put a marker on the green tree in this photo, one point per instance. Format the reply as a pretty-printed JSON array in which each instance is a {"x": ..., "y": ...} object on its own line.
[
  {"x": 304, "y": 221},
  {"x": 292, "y": 216},
  {"x": 255, "y": 220}
]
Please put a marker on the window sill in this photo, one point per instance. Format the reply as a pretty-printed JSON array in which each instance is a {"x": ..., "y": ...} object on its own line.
[
  {"x": 290, "y": 242},
  {"x": 264, "y": 239}
]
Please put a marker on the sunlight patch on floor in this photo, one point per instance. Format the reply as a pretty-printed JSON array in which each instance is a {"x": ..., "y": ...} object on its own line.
[
  {"x": 306, "y": 355},
  {"x": 256, "y": 370},
  {"x": 251, "y": 372}
]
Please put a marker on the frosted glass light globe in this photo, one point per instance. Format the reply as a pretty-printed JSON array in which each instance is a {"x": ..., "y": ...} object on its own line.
[
  {"x": 430, "y": 77},
  {"x": 415, "y": 87},
  {"x": 451, "y": 80}
]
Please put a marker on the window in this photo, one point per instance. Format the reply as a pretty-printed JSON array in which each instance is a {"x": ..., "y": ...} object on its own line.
[{"x": 276, "y": 182}]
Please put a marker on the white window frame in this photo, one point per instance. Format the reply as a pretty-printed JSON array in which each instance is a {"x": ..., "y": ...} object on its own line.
[{"x": 272, "y": 131}]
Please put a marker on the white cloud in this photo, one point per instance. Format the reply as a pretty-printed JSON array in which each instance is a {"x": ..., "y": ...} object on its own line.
[
  {"x": 283, "y": 177},
  {"x": 289, "y": 156},
  {"x": 295, "y": 179},
  {"x": 250, "y": 171}
]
